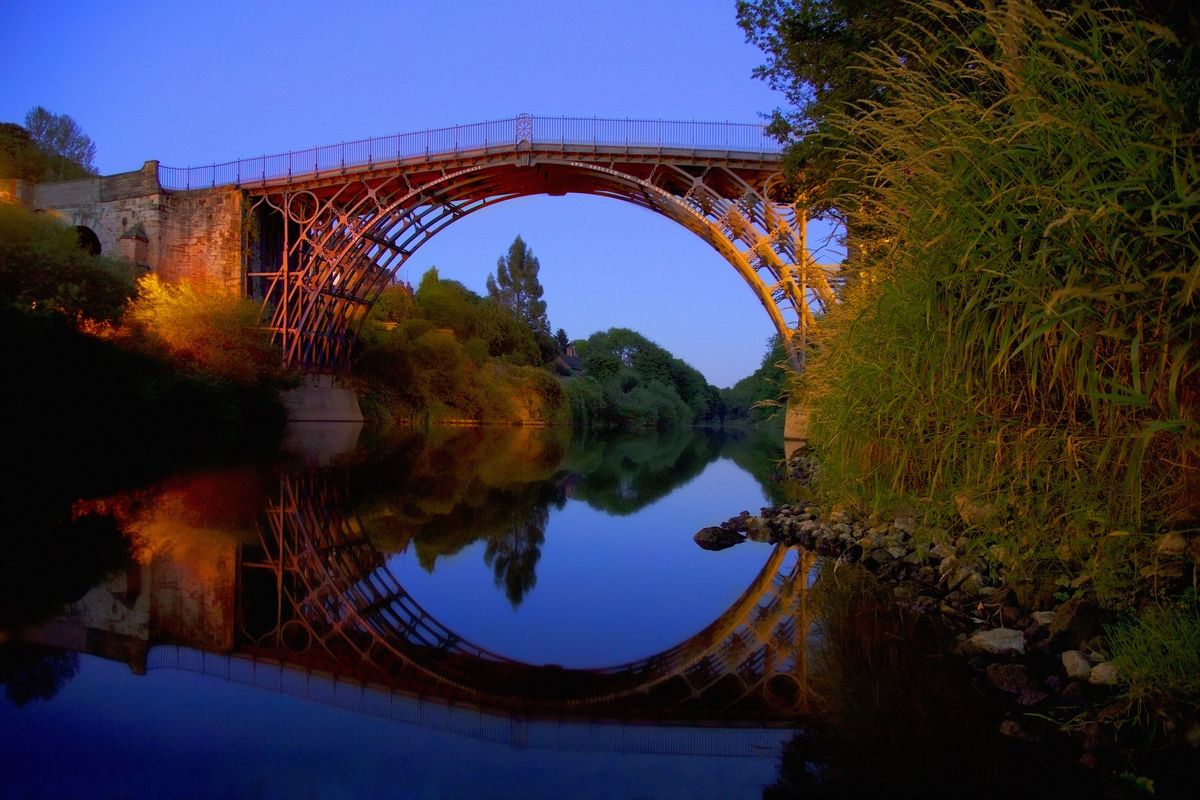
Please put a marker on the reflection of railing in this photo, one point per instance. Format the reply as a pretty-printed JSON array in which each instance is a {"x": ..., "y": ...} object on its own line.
[
  {"x": 435, "y": 714},
  {"x": 505, "y": 134}
]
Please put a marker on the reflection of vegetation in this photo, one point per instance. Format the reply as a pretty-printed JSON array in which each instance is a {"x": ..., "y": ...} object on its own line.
[
  {"x": 442, "y": 490},
  {"x": 53, "y": 557},
  {"x": 33, "y": 672},
  {"x": 624, "y": 473},
  {"x": 897, "y": 718},
  {"x": 759, "y": 451},
  {"x": 513, "y": 555}
]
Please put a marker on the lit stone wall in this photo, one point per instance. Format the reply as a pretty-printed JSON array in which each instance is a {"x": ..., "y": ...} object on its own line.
[{"x": 193, "y": 236}]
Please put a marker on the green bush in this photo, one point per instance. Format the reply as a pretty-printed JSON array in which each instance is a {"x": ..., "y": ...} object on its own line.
[{"x": 43, "y": 269}]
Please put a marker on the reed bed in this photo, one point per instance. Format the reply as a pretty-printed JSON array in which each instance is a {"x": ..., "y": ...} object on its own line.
[{"x": 1015, "y": 350}]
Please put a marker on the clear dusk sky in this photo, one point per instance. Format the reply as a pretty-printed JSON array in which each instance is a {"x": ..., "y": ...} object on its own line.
[{"x": 192, "y": 83}]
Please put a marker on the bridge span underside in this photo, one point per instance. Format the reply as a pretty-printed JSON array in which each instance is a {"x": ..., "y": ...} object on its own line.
[{"x": 330, "y": 238}]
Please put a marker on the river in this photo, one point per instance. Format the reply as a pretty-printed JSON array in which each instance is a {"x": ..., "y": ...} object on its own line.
[
  {"x": 465, "y": 612},
  {"x": 500, "y": 612}
]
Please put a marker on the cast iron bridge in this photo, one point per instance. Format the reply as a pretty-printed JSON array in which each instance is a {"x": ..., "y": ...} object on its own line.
[{"x": 337, "y": 222}]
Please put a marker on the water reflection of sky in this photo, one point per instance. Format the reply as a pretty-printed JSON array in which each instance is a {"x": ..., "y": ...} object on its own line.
[
  {"x": 610, "y": 589},
  {"x": 110, "y": 734}
]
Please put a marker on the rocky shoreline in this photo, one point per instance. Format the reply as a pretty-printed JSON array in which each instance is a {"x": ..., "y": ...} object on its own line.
[{"x": 1047, "y": 657}]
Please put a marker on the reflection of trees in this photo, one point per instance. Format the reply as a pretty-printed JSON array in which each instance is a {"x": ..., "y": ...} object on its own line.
[
  {"x": 624, "y": 473},
  {"x": 443, "y": 490},
  {"x": 514, "y": 554},
  {"x": 759, "y": 451},
  {"x": 32, "y": 672}
]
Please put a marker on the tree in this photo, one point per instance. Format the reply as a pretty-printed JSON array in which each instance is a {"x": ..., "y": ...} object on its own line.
[
  {"x": 816, "y": 55},
  {"x": 563, "y": 340},
  {"x": 60, "y": 137},
  {"x": 516, "y": 287}
]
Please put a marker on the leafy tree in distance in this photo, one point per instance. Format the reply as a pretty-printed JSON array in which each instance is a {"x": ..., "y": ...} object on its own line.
[
  {"x": 61, "y": 138},
  {"x": 563, "y": 340},
  {"x": 516, "y": 287}
]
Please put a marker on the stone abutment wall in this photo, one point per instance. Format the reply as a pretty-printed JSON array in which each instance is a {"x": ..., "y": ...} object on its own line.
[{"x": 193, "y": 236}]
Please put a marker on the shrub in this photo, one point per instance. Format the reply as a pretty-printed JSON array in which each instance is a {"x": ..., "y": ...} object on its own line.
[{"x": 217, "y": 334}]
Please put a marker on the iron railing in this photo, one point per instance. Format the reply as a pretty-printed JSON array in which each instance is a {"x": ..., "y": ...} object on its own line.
[{"x": 572, "y": 132}]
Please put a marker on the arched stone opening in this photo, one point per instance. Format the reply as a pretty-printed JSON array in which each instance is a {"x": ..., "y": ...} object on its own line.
[{"x": 89, "y": 242}]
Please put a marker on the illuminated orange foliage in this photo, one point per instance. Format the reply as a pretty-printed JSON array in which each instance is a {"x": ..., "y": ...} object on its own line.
[{"x": 215, "y": 333}]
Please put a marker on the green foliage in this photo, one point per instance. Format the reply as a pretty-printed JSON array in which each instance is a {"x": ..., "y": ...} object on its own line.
[
  {"x": 449, "y": 304},
  {"x": 517, "y": 288},
  {"x": 631, "y": 382},
  {"x": 815, "y": 51},
  {"x": 446, "y": 353},
  {"x": 1157, "y": 655},
  {"x": 43, "y": 269},
  {"x": 214, "y": 333},
  {"x": 20, "y": 157},
  {"x": 761, "y": 396},
  {"x": 1020, "y": 329}
]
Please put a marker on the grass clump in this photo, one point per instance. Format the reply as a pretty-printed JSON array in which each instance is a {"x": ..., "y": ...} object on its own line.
[
  {"x": 1017, "y": 338},
  {"x": 1157, "y": 655}
]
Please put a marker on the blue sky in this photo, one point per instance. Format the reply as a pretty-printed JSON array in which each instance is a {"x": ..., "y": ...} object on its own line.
[{"x": 196, "y": 83}]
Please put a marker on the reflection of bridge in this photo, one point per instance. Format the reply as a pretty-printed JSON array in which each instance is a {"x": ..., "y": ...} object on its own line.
[
  {"x": 338, "y": 607},
  {"x": 313, "y": 610}
]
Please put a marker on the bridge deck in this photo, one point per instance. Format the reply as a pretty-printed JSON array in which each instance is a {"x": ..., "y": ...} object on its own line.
[{"x": 696, "y": 142}]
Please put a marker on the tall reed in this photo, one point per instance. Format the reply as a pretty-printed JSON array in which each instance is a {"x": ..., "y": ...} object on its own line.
[{"x": 1019, "y": 329}]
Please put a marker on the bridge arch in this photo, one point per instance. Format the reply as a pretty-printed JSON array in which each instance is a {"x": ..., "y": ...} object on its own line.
[{"x": 346, "y": 231}]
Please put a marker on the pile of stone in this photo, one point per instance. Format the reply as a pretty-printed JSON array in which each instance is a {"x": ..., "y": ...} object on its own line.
[{"x": 1048, "y": 655}]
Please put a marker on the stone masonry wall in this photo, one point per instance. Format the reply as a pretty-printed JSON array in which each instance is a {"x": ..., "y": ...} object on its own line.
[
  {"x": 201, "y": 239},
  {"x": 192, "y": 236}
]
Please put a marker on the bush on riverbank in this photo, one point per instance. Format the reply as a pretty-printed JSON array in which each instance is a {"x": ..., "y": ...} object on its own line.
[
  {"x": 760, "y": 397},
  {"x": 1016, "y": 347},
  {"x": 631, "y": 382},
  {"x": 94, "y": 389},
  {"x": 445, "y": 353}
]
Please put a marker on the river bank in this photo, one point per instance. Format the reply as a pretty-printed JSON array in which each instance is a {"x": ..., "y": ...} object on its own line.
[{"x": 1044, "y": 651}]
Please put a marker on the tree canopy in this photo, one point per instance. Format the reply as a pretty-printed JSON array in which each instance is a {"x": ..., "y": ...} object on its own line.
[
  {"x": 516, "y": 287},
  {"x": 59, "y": 135}
]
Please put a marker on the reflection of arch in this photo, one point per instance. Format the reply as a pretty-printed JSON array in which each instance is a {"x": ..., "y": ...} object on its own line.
[
  {"x": 89, "y": 242},
  {"x": 346, "y": 232},
  {"x": 338, "y": 608}
]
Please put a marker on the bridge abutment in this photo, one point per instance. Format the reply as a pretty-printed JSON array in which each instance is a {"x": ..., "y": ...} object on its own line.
[
  {"x": 322, "y": 398},
  {"x": 795, "y": 428}
]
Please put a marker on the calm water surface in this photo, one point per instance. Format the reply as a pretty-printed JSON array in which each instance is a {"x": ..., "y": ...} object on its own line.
[{"x": 495, "y": 613}]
